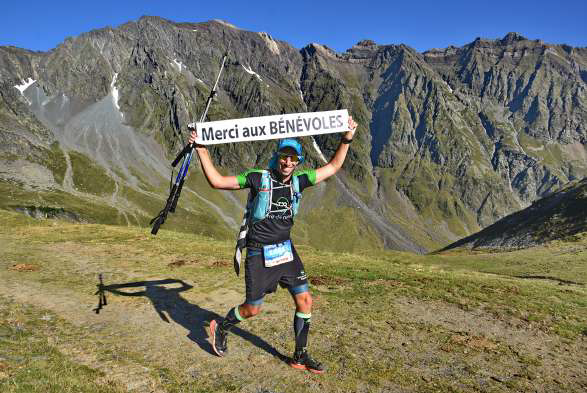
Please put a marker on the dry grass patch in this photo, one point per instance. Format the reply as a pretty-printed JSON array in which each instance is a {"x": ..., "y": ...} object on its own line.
[
  {"x": 4, "y": 370},
  {"x": 24, "y": 267},
  {"x": 328, "y": 281},
  {"x": 176, "y": 264},
  {"x": 221, "y": 263},
  {"x": 182, "y": 262}
]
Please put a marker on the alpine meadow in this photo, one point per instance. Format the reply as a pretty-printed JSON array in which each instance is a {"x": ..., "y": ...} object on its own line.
[{"x": 449, "y": 254}]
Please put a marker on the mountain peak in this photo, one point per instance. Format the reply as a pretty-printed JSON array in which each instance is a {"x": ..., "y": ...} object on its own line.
[
  {"x": 512, "y": 37},
  {"x": 367, "y": 43},
  {"x": 153, "y": 18},
  {"x": 225, "y": 23}
]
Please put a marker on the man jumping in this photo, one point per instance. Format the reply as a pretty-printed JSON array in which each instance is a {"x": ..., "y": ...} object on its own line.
[{"x": 271, "y": 257}]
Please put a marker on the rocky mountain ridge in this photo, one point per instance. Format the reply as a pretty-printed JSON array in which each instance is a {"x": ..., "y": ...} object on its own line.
[
  {"x": 558, "y": 216},
  {"x": 451, "y": 140}
]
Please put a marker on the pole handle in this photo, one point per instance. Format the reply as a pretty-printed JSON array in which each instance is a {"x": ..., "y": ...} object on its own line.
[{"x": 185, "y": 151}]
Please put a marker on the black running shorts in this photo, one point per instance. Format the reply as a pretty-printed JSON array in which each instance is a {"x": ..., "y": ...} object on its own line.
[{"x": 261, "y": 280}]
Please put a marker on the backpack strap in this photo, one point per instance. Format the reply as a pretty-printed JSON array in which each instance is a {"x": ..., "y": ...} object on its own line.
[
  {"x": 262, "y": 202},
  {"x": 267, "y": 183},
  {"x": 241, "y": 240},
  {"x": 296, "y": 195}
]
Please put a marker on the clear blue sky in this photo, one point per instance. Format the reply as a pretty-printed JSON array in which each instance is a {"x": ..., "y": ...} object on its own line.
[{"x": 42, "y": 25}]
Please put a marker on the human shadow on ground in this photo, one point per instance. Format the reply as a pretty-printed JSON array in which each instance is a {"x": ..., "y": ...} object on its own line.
[{"x": 170, "y": 305}]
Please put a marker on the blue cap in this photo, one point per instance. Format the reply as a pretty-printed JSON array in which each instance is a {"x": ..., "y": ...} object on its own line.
[
  {"x": 289, "y": 142},
  {"x": 283, "y": 143}
]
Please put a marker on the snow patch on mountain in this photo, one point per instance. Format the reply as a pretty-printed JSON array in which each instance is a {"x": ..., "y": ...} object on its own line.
[
  {"x": 114, "y": 90},
  {"x": 225, "y": 23},
  {"x": 250, "y": 71},
  {"x": 180, "y": 66},
  {"x": 25, "y": 85},
  {"x": 317, "y": 148}
]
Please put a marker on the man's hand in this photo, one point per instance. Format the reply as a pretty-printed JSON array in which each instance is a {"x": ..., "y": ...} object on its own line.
[
  {"x": 352, "y": 128},
  {"x": 194, "y": 135}
]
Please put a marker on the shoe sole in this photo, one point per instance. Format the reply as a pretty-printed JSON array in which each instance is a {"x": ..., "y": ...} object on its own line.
[
  {"x": 213, "y": 337},
  {"x": 304, "y": 367}
]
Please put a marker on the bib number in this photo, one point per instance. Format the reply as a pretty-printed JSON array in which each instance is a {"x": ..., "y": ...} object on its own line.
[{"x": 276, "y": 254}]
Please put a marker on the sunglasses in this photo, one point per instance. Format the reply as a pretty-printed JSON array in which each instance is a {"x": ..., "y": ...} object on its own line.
[{"x": 294, "y": 159}]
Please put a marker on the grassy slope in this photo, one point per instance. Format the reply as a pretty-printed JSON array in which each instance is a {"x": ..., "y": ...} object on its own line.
[
  {"x": 382, "y": 320},
  {"x": 102, "y": 199}
]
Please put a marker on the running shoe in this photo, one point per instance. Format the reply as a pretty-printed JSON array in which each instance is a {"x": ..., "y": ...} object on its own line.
[
  {"x": 218, "y": 338},
  {"x": 302, "y": 361}
]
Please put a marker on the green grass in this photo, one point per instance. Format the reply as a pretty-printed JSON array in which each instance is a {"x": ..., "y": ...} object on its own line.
[
  {"x": 89, "y": 177},
  {"x": 460, "y": 280},
  {"x": 56, "y": 162},
  {"x": 419, "y": 229},
  {"x": 192, "y": 214},
  {"x": 434, "y": 204},
  {"x": 361, "y": 331},
  {"x": 14, "y": 195}
]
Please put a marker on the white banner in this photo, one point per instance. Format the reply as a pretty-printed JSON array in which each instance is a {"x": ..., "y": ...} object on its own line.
[{"x": 292, "y": 125}]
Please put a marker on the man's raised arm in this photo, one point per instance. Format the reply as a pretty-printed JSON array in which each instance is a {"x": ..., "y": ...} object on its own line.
[
  {"x": 337, "y": 160},
  {"x": 215, "y": 178}
]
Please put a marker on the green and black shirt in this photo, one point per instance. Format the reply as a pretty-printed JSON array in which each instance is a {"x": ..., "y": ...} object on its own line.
[{"x": 276, "y": 227}]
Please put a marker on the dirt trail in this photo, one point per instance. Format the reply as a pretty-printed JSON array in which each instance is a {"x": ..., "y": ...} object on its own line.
[
  {"x": 167, "y": 327},
  {"x": 163, "y": 322},
  {"x": 162, "y": 326},
  {"x": 155, "y": 328}
]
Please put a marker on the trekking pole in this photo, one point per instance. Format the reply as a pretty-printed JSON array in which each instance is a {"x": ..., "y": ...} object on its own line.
[
  {"x": 186, "y": 154},
  {"x": 101, "y": 295},
  {"x": 188, "y": 148},
  {"x": 173, "y": 197}
]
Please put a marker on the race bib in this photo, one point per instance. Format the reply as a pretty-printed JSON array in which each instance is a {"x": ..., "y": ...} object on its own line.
[{"x": 276, "y": 254}]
